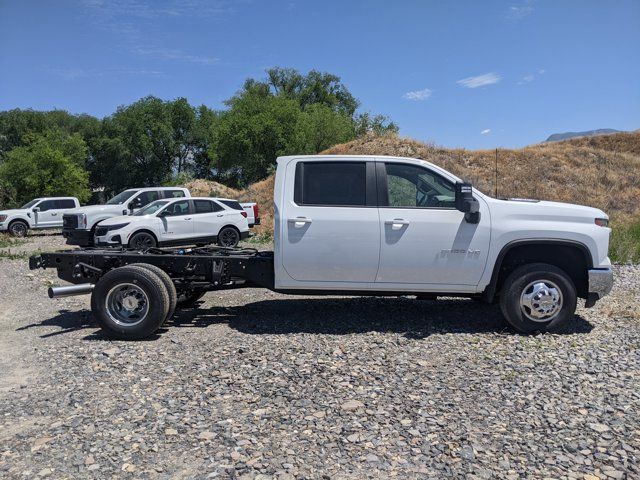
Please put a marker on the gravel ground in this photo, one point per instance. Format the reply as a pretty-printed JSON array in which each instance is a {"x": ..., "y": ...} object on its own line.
[{"x": 254, "y": 384}]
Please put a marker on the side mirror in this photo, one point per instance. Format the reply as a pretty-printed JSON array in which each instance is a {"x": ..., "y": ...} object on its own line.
[
  {"x": 466, "y": 203},
  {"x": 125, "y": 212},
  {"x": 135, "y": 204},
  {"x": 35, "y": 209}
]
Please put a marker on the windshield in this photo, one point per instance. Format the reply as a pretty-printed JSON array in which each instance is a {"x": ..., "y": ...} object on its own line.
[
  {"x": 121, "y": 197},
  {"x": 151, "y": 208},
  {"x": 31, "y": 203}
]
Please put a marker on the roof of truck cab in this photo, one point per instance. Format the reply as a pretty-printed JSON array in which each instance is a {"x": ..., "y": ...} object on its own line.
[{"x": 440, "y": 170}]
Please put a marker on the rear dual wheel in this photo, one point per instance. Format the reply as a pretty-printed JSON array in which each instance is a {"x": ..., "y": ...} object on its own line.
[{"x": 133, "y": 302}]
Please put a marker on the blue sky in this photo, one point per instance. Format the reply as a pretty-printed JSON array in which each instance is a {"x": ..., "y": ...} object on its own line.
[{"x": 458, "y": 73}]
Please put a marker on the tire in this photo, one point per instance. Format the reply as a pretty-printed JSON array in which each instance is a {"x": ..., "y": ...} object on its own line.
[
  {"x": 18, "y": 228},
  {"x": 142, "y": 241},
  {"x": 188, "y": 299},
  {"x": 168, "y": 284},
  {"x": 146, "y": 308},
  {"x": 538, "y": 298},
  {"x": 228, "y": 237}
]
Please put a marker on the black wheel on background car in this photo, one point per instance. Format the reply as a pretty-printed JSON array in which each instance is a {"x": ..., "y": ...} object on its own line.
[
  {"x": 189, "y": 298},
  {"x": 538, "y": 298},
  {"x": 168, "y": 283},
  {"x": 228, "y": 237},
  {"x": 130, "y": 303},
  {"x": 142, "y": 241},
  {"x": 18, "y": 228}
]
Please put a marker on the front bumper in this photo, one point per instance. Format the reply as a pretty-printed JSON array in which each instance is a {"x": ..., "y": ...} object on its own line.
[
  {"x": 3, "y": 226},
  {"x": 600, "y": 284},
  {"x": 82, "y": 238}
]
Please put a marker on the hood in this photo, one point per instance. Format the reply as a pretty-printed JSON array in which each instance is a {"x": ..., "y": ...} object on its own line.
[
  {"x": 98, "y": 209},
  {"x": 125, "y": 219},
  {"x": 543, "y": 208},
  {"x": 15, "y": 211}
]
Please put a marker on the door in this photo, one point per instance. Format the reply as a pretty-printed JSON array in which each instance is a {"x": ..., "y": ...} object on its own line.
[
  {"x": 330, "y": 224},
  {"x": 423, "y": 238},
  {"x": 176, "y": 222},
  {"x": 63, "y": 205},
  {"x": 208, "y": 218},
  {"x": 48, "y": 216}
]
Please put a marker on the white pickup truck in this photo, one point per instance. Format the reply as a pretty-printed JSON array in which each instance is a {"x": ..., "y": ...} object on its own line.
[
  {"x": 359, "y": 225},
  {"x": 38, "y": 214},
  {"x": 79, "y": 225}
]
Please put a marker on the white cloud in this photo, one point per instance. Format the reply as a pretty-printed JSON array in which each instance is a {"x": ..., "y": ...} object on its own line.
[
  {"x": 519, "y": 12},
  {"x": 486, "y": 131},
  {"x": 418, "y": 95},
  {"x": 530, "y": 78},
  {"x": 480, "y": 80},
  {"x": 173, "y": 54},
  {"x": 75, "y": 73}
]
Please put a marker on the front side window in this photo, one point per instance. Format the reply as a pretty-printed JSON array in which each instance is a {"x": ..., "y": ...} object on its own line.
[
  {"x": 411, "y": 186},
  {"x": 121, "y": 197},
  {"x": 47, "y": 205},
  {"x": 176, "y": 209},
  {"x": 331, "y": 183},
  {"x": 151, "y": 208}
]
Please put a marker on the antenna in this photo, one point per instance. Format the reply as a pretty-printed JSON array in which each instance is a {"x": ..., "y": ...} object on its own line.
[{"x": 496, "y": 179}]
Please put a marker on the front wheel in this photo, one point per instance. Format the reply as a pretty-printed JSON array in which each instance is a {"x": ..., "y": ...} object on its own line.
[
  {"x": 538, "y": 298},
  {"x": 142, "y": 241},
  {"x": 18, "y": 228}
]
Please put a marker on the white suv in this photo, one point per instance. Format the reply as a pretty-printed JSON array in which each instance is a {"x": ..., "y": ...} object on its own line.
[
  {"x": 38, "y": 214},
  {"x": 80, "y": 224},
  {"x": 187, "y": 221}
]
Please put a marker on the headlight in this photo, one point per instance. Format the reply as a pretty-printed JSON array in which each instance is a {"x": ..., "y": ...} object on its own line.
[
  {"x": 602, "y": 222},
  {"x": 82, "y": 220},
  {"x": 3, "y": 218},
  {"x": 111, "y": 228}
]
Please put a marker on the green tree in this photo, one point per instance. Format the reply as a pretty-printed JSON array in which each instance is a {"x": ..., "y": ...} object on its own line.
[
  {"x": 319, "y": 127},
  {"x": 47, "y": 165}
]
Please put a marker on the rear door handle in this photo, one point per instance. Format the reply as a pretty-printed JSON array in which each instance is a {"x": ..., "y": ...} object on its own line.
[
  {"x": 188, "y": 218},
  {"x": 299, "y": 221},
  {"x": 397, "y": 222},
  {"x": 220, "y": 215},
  {"x": 54, "y": 214}
]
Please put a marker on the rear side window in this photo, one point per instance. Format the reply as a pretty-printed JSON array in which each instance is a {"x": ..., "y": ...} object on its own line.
[
  {"x": 232, "y": 204},
  {"x": 206, "y": 206},
  {"x": 173, "y": 194},
  {"x": 66, "y": 203},
  {"x": 331, "y": 183}
]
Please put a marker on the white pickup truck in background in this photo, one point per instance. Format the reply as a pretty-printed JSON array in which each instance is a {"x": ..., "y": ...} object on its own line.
[
  {"x": 368, "y": 225},
  {"x": 79, "y": 225},
  {"x": 253, "y": 213},
  {"x": 38, "y": 214}
]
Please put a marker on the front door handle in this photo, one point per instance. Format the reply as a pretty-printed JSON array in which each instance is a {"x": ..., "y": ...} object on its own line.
[
  {"x": 397, "y": 223},
  {"x": 299, "y": 221},
  {"x": 220, "y": 215},
  {"x": 188, "y": 218},
  {"x": 54, "y": 214}
]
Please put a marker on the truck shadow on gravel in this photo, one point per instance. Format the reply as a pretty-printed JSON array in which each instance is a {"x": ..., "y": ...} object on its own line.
[
  {"x": 415, "y": 319},
  {"x": 340, "y": 316}
]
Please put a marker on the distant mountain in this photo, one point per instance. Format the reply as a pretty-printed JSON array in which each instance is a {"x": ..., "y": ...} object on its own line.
[{"x": 556, "y": 137}]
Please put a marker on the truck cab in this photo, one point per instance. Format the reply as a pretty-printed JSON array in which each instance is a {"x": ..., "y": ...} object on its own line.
[
  {"x": 79, "y": 224},
  {"x": 38, "y": 214}
]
